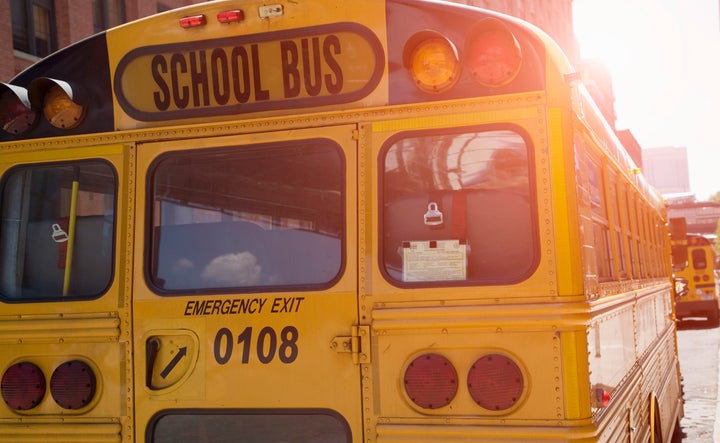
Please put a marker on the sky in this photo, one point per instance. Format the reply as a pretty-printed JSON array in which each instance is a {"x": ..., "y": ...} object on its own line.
[{"x": 664, "y": 59}]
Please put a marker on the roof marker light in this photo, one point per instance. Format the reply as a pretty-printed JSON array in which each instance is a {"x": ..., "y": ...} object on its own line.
[
  {"x": 193, "y": 21},
  {"x": 16, "y": 113},
  {"x": 270, "y": 11},
  {"x": 231, "y": 16}
]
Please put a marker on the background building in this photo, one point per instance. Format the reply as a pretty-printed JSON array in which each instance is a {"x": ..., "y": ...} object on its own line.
[
  {"x": 667, "y": 169},
  {"x": 39, "y": 27}
]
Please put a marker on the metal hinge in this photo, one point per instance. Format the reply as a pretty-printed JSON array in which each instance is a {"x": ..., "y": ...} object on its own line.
[{"x": 358, "y": 344}]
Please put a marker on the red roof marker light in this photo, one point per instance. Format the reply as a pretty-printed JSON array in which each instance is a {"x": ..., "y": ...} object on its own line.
[
  {"x": 193, "y": 21},
  {"x": 231, "y": 16}
]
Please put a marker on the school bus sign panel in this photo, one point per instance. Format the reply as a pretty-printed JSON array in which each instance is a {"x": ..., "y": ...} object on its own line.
[{"x": 316, "y": 66}]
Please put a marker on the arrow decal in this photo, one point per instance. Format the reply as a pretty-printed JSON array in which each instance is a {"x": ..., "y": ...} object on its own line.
[{"x": 174, "y": 362}]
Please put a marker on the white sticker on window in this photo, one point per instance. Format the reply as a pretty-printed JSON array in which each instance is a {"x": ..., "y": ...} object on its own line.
[{"x": 434, "y": 260}]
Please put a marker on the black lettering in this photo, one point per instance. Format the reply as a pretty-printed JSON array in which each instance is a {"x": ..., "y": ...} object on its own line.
[
  {"x": 161, "y": 97},
  {"x": 260, "y": 93},
  {"x": 240, "y": 70},
  {"x": 298, "y": 300},
  {"x": 199, "y": 308},
  {"x": 220, "y": 76},
  {"x": 199, "y": 79},
  {"x": 276, "y": 306},
  {"x": 291, "y": 75},
  {"x": 223, "y": 352},
  {"x": 181, "y": 96},
  {"x": 331, "y": 46},
  {"x": 311, "y": 59},
  {"x": 189, "y": 307}
]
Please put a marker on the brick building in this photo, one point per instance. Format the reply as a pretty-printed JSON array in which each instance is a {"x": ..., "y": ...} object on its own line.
[
  {"x": 38, "y": 27},
  {"x": 42, "y": 26}
]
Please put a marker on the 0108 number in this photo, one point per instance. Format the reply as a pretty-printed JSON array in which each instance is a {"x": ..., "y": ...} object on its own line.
[{"x": 268, "y": 345}]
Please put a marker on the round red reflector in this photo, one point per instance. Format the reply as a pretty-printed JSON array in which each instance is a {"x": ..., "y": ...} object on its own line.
[
  {"x": 495, "y": 382},
  {"x": 431, "y": 381},
  {"x": 23, "y": 386},
  {"x": 494, "y": 56},
  {"x": 72, "y": 385},
  {"x": 696, "y": 278}
]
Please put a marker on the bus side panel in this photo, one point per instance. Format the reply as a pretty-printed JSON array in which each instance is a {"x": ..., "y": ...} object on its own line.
[{"x": 81, "y": 338}]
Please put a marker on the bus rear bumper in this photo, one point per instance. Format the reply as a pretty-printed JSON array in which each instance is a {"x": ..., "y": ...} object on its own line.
[
  {"x": 697, "y": 308},
  {"x": 484, "y": 434},
  {"x": 31, "y": 431}
]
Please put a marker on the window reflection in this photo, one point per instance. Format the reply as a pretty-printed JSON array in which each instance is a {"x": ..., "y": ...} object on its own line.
[
  {"x": 47, "y": 211},
  {"x": 457, "y": 207},
  {"x": 250, "y": 217}
]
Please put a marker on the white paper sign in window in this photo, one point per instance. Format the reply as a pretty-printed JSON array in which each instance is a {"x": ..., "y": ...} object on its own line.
[{"x": 434, "y": 260}]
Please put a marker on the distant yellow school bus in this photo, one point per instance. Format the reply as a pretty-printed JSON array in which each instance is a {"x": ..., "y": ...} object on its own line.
[
  {"x": 326, "y": 221},
  {"x": 698, "y": 273}
]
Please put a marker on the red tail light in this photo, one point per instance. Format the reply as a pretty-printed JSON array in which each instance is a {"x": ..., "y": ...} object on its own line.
[
  {"x": 493, "y": 54},
  {"x": 72, "y": 385},
  {"x": 431, "y": 381},
  {"x": 495, "y": 382},
  {"x": 23, "y": 386},
  {"x": 16, "y": 113}
]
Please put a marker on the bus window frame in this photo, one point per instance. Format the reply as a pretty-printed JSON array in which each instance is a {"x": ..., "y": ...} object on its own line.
[
  {"x": 150, "y": 261},
  {"x": 530, "y": 147},
  {"x": 112, "y": 235}
]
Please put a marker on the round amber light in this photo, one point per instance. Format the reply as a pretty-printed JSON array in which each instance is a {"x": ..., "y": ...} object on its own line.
[
  {"x": 434, "y": 65},
  {"x": 60, "y": 110}
]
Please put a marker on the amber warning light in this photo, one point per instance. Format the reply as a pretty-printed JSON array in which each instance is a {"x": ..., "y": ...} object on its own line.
[
  {"x": 492, "y": 55},
  {"x": 20, "y": 107}
]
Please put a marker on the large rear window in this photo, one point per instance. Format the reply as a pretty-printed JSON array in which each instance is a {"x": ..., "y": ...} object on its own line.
[
  {"x": 457, "y": 208},
  {"x": 247, "y": 219}
]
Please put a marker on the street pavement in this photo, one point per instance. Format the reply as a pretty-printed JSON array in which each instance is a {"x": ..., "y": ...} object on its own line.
[{"x": 698, "y": 347}]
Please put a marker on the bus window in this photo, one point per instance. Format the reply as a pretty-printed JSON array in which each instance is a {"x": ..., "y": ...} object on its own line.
[
  {"x": 47, "y": 211},
  {"x": 250, "y": 217},
  {"x": 272, "y": 426},
  {"x": 699, "y": 259},
  {"x": 456, "y": 207}
]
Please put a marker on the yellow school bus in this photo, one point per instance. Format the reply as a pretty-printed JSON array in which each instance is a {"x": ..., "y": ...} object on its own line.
[
  {"x": 326, "y": 221},
  {"x": 697, "y": 271}
]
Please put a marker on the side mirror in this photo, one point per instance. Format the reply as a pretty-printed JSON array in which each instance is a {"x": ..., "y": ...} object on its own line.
[{"x": 681, "y": 287}]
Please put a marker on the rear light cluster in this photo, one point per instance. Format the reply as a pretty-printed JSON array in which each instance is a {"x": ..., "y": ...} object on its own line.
[
  {"x": 20, "y": 108},
  {"x": 491, "y": 53},
  {"x": 697, "y": 278},
  {"x": 72, "y": 385},
  {"x": 494, "y": 381}
]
